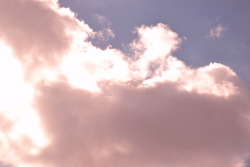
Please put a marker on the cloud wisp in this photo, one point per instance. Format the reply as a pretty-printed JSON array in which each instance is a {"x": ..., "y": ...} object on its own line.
[
  {"x": 105, "y": 34},
  {"x": 216, "y": 32},
  {"x": 66, "y": 102}
]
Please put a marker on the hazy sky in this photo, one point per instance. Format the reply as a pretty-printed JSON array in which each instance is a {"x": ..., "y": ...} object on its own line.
[{"x": 95, "y": 83}]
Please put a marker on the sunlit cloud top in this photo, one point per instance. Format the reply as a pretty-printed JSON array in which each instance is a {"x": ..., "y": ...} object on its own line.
[{"x": 65, "y": 101}]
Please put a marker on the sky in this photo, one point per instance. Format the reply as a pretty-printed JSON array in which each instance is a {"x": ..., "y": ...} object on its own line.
[
  {"x": 193, "y": 19},
  {"x": 124, "y": 83}
]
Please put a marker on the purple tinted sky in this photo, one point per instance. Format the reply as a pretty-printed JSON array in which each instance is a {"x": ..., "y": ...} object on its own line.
[{"x": 193, "y": 19}]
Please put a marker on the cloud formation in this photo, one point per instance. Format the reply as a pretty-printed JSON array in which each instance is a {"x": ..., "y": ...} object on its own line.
[
  {"x": 85, "y": 106},
  {"x": 216, "y": 32},
  {"x": 102, "y": 37}
]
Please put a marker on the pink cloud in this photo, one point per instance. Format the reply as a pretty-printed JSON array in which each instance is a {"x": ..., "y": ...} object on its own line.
[
  {"x": 130, "y": 126},
  {"x": 38, "y": 31},
  {"x": 216, "y": 32},
  {"x": 86, "y": 106}
]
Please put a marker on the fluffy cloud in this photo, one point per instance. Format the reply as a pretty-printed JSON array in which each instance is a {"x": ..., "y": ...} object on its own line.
[
  {"x": 85, "y": 106},
  {"x": 39, "y": 32}
]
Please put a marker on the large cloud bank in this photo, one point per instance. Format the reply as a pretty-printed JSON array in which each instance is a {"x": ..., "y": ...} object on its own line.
[{"x": 65, "y": 102}]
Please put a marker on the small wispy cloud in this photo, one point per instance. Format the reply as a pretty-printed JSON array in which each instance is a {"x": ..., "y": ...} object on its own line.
[
  {"x": 102, "y": 20},
  {"x": 216, "y": 32},
  {"x": 105, "y": 33}
]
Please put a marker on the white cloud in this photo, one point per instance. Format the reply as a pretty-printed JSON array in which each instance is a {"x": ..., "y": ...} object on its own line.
[
  {"x": 216, "y": 32},
  {"x": 85, "y": 106}
]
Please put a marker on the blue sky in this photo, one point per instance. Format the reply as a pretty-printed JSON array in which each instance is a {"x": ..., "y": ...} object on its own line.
[{"x": 192, "y": 19}]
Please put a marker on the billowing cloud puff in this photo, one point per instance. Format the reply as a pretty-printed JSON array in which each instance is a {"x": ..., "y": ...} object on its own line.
[
  {"x": 39, "y": 32},
  {"x": 85, "y": 106}
]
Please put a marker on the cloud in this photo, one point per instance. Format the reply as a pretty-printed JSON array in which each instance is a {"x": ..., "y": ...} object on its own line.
[
  {"x": 86, "y": 106},
  {"x": 39, "y": 32},
  {"x": 130, "y": 126},
  {"x": 102, "y": 20},
  {"x": 216, "y": 32},
  {"x": 102, "y": 37}
]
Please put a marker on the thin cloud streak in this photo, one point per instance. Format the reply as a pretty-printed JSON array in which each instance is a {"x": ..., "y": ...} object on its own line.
[{"x": 85, "y": 106}]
